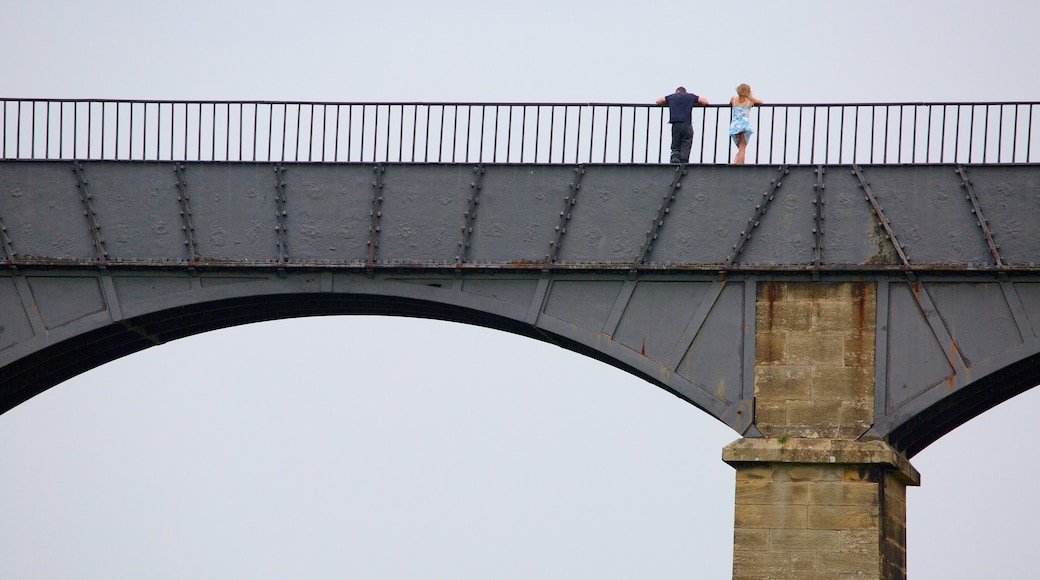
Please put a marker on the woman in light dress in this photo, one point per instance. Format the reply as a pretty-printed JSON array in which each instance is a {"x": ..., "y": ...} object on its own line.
[{"x": 740, "y": 126}]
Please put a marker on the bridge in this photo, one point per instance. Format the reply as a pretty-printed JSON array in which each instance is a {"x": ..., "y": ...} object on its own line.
[{"x": 867, "y": 283}]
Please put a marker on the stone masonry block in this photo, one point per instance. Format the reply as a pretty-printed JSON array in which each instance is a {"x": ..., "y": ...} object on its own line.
[
  {"x": 856, "y": 418},
  {"x": 813, "y": 418},
  {"x": 783, "y": 382},
  {"x": 840, "y": 493},
  {"x": 859, "y": 350},
  {"x": 772, "y": 429},
  {"x": 803, "y": 565},
  {"x": 784, "y": 316},
  {"x": 750, "y": 540},
  {"x": 770, "y": 516},
  {"x": 865, "y": 292},
  {"x": 843, "y": 316},
  {"x": 895, "y": 532},
  {"x": 758, "y": 472},
  {"x": 771, "y": 292},
  {"x": 859, "y": 473},
  {"x": 894, "y": 488},
  {"x": 852, "y": 431},
  {"x": 771, "y": 417},
  {"x": 815, "y": 291},
  {"x": 843, "y": 517},
  {"x": 771, "y": 492},
  {"x": 858, "y": 541},
  {"x": 770, "y": 348},
  {"x": 759, "y": 565},
  {"x": 860, "y": 564},
  {"x": 804, "y": 540},
  {"x": 843, "y": 383},
  {"x": 807, "y": 472},
  {"x": 816, "y": 349}
]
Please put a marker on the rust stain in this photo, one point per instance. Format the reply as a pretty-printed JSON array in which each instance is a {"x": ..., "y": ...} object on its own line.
[
  {"x": 859, "y": 338},
  {"x": 860, "y": 313},
  {"x": 772, "y": 296},
  {"x": 528, "y": 263}
]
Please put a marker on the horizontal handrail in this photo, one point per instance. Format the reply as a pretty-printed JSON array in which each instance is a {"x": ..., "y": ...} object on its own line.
[{"x": 569, "y": 133}]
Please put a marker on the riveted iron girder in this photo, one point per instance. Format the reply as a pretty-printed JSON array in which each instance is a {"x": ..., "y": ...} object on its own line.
[
  {"x": 187, "y": 226},
  {"x": 565, "y": 215},
  {"x": 957, "y": 330},
  {"x": 880, "y": 218}
]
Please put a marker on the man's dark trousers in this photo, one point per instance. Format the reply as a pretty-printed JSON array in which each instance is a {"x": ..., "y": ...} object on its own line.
[{"x": 682, "y": 142}]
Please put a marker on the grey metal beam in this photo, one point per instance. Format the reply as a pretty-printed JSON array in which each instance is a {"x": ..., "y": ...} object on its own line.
[{"x": 958, "y": 318}]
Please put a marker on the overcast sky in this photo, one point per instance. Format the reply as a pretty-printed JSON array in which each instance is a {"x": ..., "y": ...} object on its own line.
[{"x": 380, "y": 448}]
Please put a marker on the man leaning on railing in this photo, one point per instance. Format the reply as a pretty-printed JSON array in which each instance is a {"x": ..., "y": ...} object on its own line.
[{"x": 680, "y": 116}]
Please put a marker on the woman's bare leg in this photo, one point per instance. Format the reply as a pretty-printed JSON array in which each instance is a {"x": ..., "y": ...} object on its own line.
[{"x": 741, "y": 146}]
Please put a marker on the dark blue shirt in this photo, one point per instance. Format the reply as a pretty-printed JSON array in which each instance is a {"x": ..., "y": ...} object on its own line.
[{"x": 680, "y": 107}]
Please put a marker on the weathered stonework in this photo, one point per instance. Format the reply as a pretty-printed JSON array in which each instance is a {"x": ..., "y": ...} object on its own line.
[
  {"x": 812, "y": 501},
  {"x": 814, "y": 359},
  {"x": 819, "y": 509}
]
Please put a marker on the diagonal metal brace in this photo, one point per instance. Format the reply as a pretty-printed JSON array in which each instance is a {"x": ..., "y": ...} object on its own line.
[
  {"x": 982, "y": 222},
  {"x": 9, "y": 254},
  {"x": 662, "y": 211},
  {"x": 282, "y": 214},
  {"x": 760, "y": 210},
  {"x": 88, "y": 211},
  {"x": 879, "y": 213},
  {"x": 565, "y": 215},
  {"x": 376, "y": 213},
  {"x": 187, "y": 226},
  {"x": 470, "y": 217}
]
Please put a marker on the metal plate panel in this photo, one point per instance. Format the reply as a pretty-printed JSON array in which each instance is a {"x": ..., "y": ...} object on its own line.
[
  {"x": 519, "y": 212},
  {"x": 715, "y": 360},
  {"x": 329, "y": 211},
  {"x": 62, "y": 299},
  {"x": 851, "y": 233},
  {"x": 916, "y": 360},
  {"x": 1010, "y": 200},
  {"x": 518, "y": 292},
  {"x": 137, "y": 210},
  {"x": 234, "y": 211},
  {"x": 43, "y": 213},
  {"x": 14, "y": 321},
  {"x": 978, "y": 318},
  {"x": 585, "y": 304},
  {"x": 784, "y": 234},
  {"x": 1029, "y": 296},
  {"x": 616, "y": 209},
  {"x": 148, "y": 286},
  {"x": 709, "y": 213},
  {"x": 424, "y": 209},
  {"x": 929, "y": 214},
  {"x": 656, "y": 316}
]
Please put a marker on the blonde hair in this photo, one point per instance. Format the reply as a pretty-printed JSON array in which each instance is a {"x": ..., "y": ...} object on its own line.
[{"x": 744, "y": 94}]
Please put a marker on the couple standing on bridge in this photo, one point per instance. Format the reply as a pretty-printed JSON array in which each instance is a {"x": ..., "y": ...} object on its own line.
[{"x": 680, "y": 116}]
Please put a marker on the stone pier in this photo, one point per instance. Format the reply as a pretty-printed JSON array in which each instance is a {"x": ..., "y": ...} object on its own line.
[{"x": 815, "y": 498}]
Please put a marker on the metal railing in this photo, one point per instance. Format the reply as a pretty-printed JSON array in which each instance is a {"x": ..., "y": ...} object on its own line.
[{"x": 568, "y": 133}]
